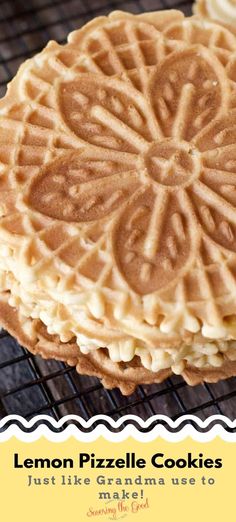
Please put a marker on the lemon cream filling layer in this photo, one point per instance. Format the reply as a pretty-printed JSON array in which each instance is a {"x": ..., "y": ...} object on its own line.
[
  {"x": 70, "y": 321},
  {"x": 220, "y": 10}
]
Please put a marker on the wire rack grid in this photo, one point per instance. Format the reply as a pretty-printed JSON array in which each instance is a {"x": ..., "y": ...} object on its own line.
[{"x": 29, "y": 385}]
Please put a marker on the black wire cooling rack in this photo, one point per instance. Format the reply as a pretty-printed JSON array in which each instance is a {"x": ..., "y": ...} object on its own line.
[{"x": 29, "y": 385}]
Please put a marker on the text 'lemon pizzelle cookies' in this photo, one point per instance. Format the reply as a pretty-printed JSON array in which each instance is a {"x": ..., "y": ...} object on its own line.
[{"x": 118, "y": 200}]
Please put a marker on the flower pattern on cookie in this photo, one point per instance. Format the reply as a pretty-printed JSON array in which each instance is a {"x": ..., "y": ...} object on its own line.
[{"x": 152, "y": 165}]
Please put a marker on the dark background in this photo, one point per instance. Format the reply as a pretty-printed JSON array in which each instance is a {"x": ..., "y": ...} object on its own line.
[{"x": 29, "y": 385}]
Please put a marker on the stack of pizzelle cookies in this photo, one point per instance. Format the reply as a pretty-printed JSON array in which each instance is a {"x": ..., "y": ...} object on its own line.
[{"x": 118, "y": 200}]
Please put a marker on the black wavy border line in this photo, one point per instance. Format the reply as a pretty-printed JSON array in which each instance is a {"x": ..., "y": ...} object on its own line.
[{"x": 117, "y": 426}]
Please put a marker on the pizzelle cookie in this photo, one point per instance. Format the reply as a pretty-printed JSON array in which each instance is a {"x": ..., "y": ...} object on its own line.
[{"x": 117, "y": 196}]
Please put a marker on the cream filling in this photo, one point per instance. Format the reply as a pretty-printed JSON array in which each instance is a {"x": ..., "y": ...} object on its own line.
[
  {"x": 196, "y": 354},
  {"x": 72, "y": 322},
  {"x": 82, "y": 315},
  {"x": 222, "y": 10}
]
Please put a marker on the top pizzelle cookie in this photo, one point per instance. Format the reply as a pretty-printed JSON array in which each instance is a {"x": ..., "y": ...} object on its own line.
[{"x": 118, "y": 179}]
